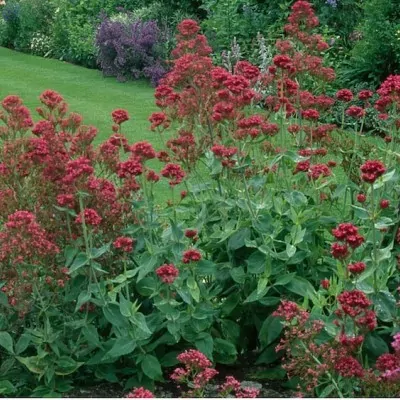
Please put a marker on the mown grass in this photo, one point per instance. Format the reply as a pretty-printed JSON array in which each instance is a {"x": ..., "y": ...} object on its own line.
[{"x": 86, "y": 91}]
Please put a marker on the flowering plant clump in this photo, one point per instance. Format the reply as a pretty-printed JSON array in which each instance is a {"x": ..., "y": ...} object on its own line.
[{"x": 105, "y": 274}]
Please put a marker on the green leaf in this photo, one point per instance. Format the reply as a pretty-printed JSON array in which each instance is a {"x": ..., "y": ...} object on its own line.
[
  {"x": 256, "y": 295},
  {"x": 205, "y": 343},
  {"x": 123, "y": 345},
  {"x": 170, "y": 359},
  {"x": 139, "y": 320},
  {"x": 374, "y": 344},
  {"x": 296, "y": 198},
  {"x": 147, "y": 265},
  {"x": 6, "y": 342},
  {"x": 23, "y": 343},
  {"x": 91, "y": 335},
  {"x": 151, "y": 367},
  {"x": 270, "y": 330},
  {"x": 384, "y": 305},
  {"x": 290, "y": 250},
  {"x": 237, "y": 240},
  {"x": 223, "y": 346},
  {"x": 238, "y": 275},
  {"x": 230, "y": 303},
  {"x": 69, "y": 253},
  {"x": 6, "y": 387},
  {"x": 83, "y": 298},
  {"x": 146, "y": 286},
  {"x": 268, "y": 356},
  {"x": 193, "y": 288},
  {"x": 66, "y": 366},
  {"x": 96, "y": 253},
  {"x": 302, "y": 287},
  {"x": 285, "y": 279},
  {"x": 360, "y": 212},
  {"x": 114, "y": 316},
  {"x": 35, "y": 364},
  {"x": 80, "y": 260},
  {"x": 256, "y": 263},
  {"x": 206, "y": 268},
  {"x": 327, "y": 391}
]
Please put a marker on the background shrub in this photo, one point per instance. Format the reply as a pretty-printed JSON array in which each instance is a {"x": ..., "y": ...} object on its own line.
[{"x": 130, "y": 48}]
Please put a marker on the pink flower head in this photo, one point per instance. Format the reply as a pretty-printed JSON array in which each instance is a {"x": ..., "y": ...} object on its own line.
[
  {"x": 11, "y": 102},
  {"x": 365, "y": 94},
  {"x": 318, "y": 170},
  {"x": 174, "y": 172},
  {"x": 356, "y": 268},
  {"x": 90, "y": 217},
  {"x": 191, "y": 255},
  {"x": 119, "y": 116},
  {"x": 349, "y": 367},
  {"x": 159, "y": 119},
  {"x": 384, "y": 203},
  {"x": 188, "y": 27},
  {"x": 51, "y": 98},
  {"x": 288, "y": 310},
  {"x": 230, "y": 384},
  {"x": 140, "y": 393},
  {"x": 167, "y": 273},
  {"x": 339, "y": 251},
  {"x": 143, "y": 151},
  {"x": 194, "y": 359},
  {"x": 355, "y": 112},
  {"x": 191, "y": 233},
  {"x": 325, "y": 283},
  {"x": 124, "y": 243},
  {"x": 396, "y": 343},
  {"x": 353, "y": 302},
  {"x": 344, "y": 95},
  {"x": 247, "y": 392},
  {"x": 372, "y": 170}
]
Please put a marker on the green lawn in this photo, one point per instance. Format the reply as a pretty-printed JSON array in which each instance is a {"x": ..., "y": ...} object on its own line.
[{"x": 86, "y": 91}]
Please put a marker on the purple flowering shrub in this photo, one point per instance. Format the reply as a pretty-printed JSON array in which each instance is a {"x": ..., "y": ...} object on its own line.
[{"x": 130, "y": 49}]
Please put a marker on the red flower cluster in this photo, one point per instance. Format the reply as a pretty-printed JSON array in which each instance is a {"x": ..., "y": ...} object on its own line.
[
  {"x": 191, "y": 255},
  {"x": 288, "y": 310},
  {"x": 167, "y": 273},
  {"x": 349, "y": 367},
  {"x": 355, "y": 112},
  {"x": 318, "y": 170},
  {"x": 372, "y": 170},
  {"x": 124, "y": 244},
  {"x": 140, "y": 393},
  {"x": 389, "y": 93},
  {"x": 89, "y": 216},
  {"x": 119, "y": 116},
  {"x": 356, "y": 268},
  {"x": 347, "y": 233},
  {"x": 174, "y": 172},
  {"x": 345, "y": 95}
]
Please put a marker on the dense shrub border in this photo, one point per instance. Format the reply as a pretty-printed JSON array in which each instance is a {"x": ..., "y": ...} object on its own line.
[{"x": 280, "y": 235}]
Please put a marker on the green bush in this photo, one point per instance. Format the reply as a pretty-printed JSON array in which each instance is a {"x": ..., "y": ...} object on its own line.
[
  {"x": 35, "y": 16},
  {"x": 374, "y": 56}
]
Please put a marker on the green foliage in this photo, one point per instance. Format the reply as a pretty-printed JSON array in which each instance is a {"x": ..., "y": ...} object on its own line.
[{"x": 375, "y": 54}]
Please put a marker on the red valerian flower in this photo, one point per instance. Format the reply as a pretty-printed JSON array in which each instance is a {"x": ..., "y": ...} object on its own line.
[
  {"x": 372, "y": 170},
  {"x": 119, "y": 116},
  {"x": 384, "y": 203},
  {"x": 51, "y": 99},
  {"x": 11, "y": 102},
  {"x": 339, "y": 251},
  {"x": 159, "y": 119},
  {"x": 43, "y": 127},
  {"x": 342, "y": 231},
  {"x": 247, "y": 69},
  {"x": 288, "y": 310},
  {"x": 361, "y": 198},
  {"x": 124, "y": 243},
  {"x": 302, "y": 166},
  {"x": 188, "y": 27},
  {"x": 129, "y": 168},
  {"x": 283, "y": 61},
  {"x": 355, "y": 112},
  {"x": 151, "y": 176},
  {"x": 183, "y": 194},
  {"x": 356, "y": 268},
  {"x": 191, "y": 233},
  {"x": 349, "y": 367},
  {"x": 387, "y": 362},
  {"x": 167, "y": 273},
  {"x": 345, "y": 95},
  {"x": 365, "y": 94},
  {"x": 90, "y": 216},
  {"x": 353, "y": 302},
  {"x": 191, "y": 255},
  {"x": 143, "y": 151},
  {"x": 66, "y": 200},
  {"x": 140, "y": 393},
  {"x": 173, "y": 172},
  {"x": 194, "y": 359},
  {"x": 310, "y": 114},
  {"x": 247, "y": 392},
  {"x": 325, "y": 283},
  {"x": 318, "y": 170}
]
